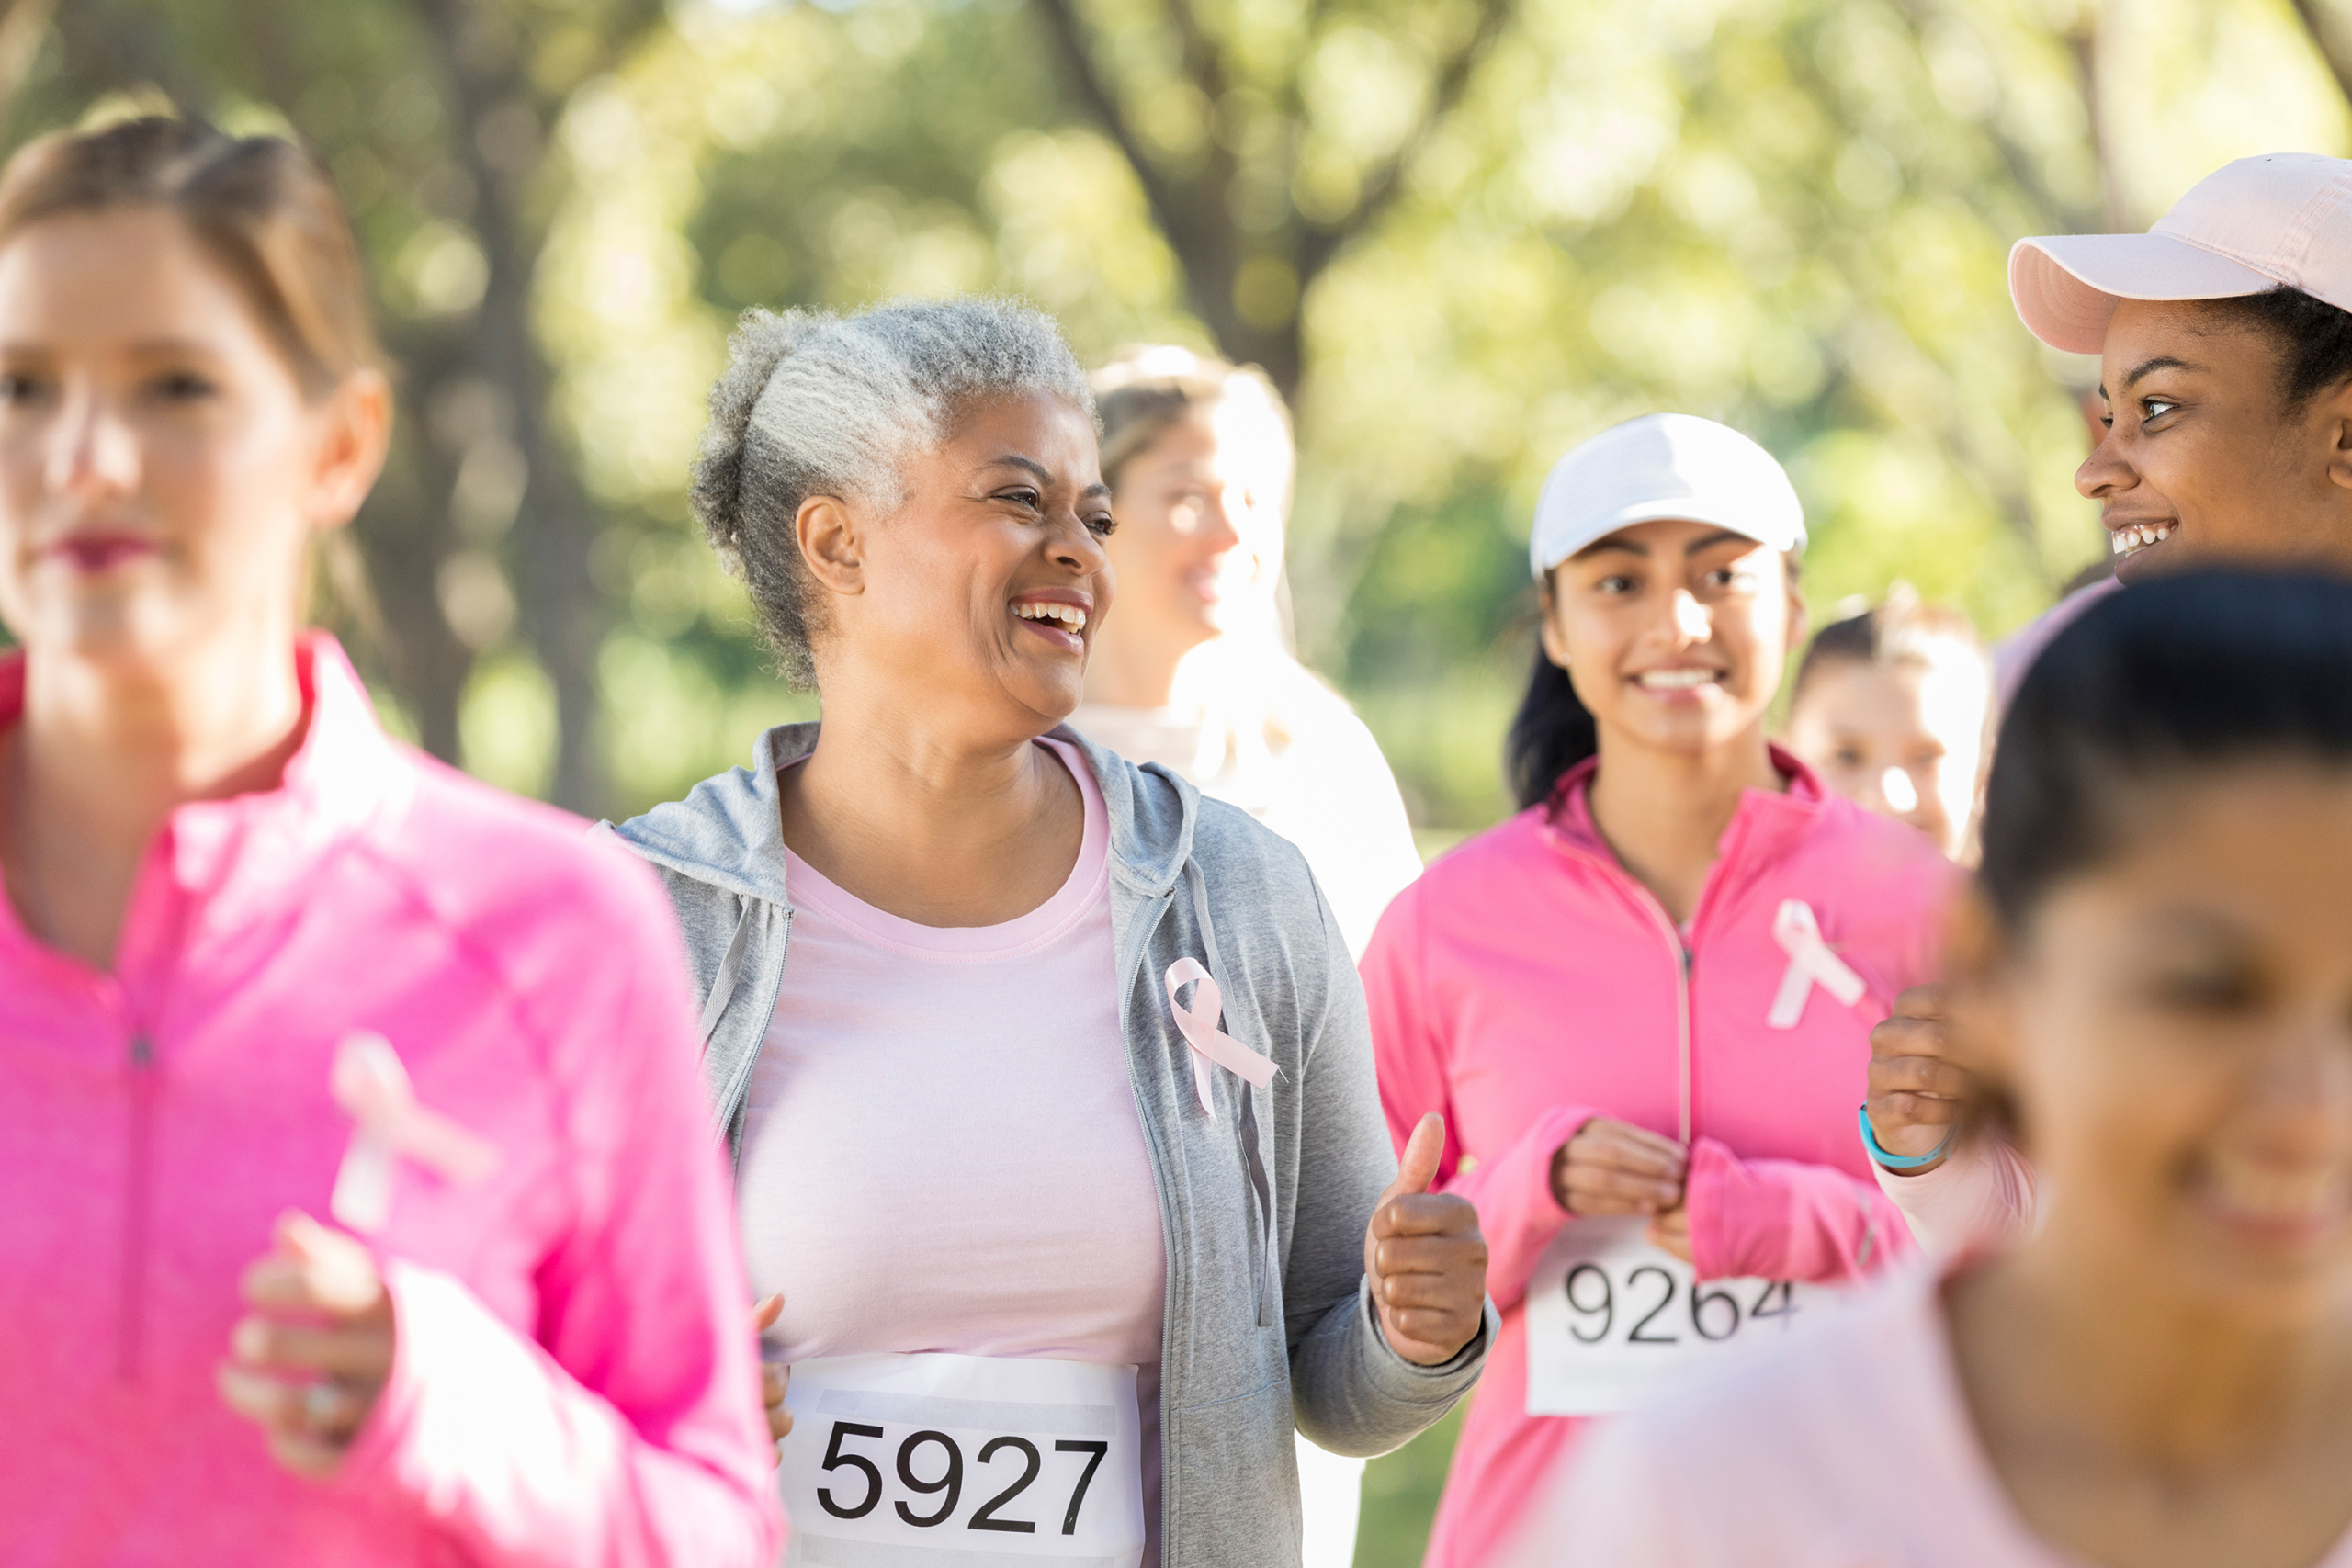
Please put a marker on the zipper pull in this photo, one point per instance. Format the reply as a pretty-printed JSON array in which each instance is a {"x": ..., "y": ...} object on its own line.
[{"x": 143, "y": 1053}]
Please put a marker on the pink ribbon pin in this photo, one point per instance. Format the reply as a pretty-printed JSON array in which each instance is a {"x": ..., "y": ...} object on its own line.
[
  {"x": 1209, "y": 1043},
  {"x": 372, "y": 1087},
  {"x": 1811, "y": 964}
]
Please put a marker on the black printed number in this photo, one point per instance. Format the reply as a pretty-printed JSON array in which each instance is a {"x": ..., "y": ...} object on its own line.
[
  {"x": 1701, "y": 1299},
  {"x": 986, "y": 1518},
  {"x": 1637, "y": 1337},
  {"x": 951, "y": 1478},
  {"x": 836, "y": 1459},
  {"x": 1764, "y": 1307},
  {"x": 1077, "y": 1496},
  {"x": 1587, "y": 1275}
]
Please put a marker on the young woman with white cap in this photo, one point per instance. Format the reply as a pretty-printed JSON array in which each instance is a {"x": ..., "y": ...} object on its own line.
[
  {"x": 1643, "y": 1003},
  {"x": 2155, "y": 974},
  {"x": 2224, "y": 335}
]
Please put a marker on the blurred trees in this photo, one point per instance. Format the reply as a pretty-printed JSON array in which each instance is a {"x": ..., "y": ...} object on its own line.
[
  {"x": 1265, "y": 138},
  {"x": 1465, "y": 233}
]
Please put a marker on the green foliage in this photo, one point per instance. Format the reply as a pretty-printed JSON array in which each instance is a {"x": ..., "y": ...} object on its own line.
[{"x": 1788, "y": 214}]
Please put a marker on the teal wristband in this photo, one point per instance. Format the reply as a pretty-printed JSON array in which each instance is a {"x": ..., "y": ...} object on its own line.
[{"x": 1895, "y": 1162}]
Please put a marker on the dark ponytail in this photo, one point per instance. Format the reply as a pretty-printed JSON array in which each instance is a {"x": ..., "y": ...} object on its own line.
[{"x": 1552, "y": 732}]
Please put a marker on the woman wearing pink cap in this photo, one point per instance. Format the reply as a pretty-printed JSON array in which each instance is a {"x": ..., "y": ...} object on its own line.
[
  {"x": 1642, "y": 1004},
  {"x": 2154, "y": 977},
  {"x": 260, "y": 966},
  {"x": 2224, "y": 336}
]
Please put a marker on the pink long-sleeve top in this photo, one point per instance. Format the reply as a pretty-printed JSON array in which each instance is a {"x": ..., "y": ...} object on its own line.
[
  {"x": 575, "y": 1379},
  {"x": 1853, "y": 1446},
  {"x": 1527, "y": 984}
]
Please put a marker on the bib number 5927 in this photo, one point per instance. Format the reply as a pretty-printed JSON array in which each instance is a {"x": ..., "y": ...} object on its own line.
[{"x": 950, "y": 1477}]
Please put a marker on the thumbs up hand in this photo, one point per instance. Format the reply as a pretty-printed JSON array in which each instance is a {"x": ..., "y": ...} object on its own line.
[{"x": 1425, "y": 1258}]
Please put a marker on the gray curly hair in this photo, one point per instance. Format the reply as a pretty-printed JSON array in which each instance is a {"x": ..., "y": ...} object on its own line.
[{"x": 816, "y": 403}]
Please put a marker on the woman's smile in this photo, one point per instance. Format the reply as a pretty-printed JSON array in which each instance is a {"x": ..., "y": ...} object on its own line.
[{"x": 1061, "y": 618}]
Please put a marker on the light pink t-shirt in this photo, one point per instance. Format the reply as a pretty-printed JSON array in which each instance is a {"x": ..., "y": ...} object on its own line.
[
  {"x": 941, "y": 1147},
  {"x": 1851, "y": 1446}
]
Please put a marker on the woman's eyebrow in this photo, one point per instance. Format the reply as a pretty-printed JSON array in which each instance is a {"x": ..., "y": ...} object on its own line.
[{"x": 2149, "y": 367}]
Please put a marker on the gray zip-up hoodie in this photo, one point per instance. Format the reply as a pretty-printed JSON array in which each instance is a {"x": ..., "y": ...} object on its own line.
[{"x": 1255, "y": 1340}]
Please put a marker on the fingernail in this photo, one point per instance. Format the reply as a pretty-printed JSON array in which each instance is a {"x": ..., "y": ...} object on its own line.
[{"x": 249, "y": 1341}]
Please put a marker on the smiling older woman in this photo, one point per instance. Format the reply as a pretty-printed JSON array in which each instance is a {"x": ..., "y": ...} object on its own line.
[{"x": 1059, "y": 1137}]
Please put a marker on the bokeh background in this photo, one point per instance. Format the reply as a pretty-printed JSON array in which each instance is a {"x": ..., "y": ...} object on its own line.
[{"x": 1460, "y": 234}]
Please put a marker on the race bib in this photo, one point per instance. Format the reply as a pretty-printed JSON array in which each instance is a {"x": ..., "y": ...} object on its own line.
[
  {"x": 911, "y": 1462},
  {"x": 1611, "y": 1318}
]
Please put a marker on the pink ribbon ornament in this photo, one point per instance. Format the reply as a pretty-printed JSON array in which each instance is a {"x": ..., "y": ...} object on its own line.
[
  {"x": 372, "y": 1087},
  {"x": 1811, "y": 964},
  {"x": 1210, "y": 1043}
]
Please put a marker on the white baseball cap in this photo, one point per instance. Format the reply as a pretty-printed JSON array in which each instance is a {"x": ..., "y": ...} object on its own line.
[
  {"x": 1661, "y": 466},
  {"x": 2247, "y": 228}
]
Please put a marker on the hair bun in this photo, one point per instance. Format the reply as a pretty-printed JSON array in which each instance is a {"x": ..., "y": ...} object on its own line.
[{"x": 761, "y": 341}]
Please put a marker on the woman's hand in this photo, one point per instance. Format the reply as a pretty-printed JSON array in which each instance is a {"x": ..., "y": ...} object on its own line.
[
  {"x": 1615, "y": 1168},
  {"x": 775, "y": 1376},
  {"x": 1425, "y": 1258},
  {"x": 306, "y": 1363},
  {"x": 1917, "y": 1090},
  {"x": 1670, "y": 1232}
]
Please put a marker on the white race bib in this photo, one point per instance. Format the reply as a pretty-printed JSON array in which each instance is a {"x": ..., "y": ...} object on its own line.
[
  {"x": 916, "y": 1462},
  {"x": 1611, "y": 1319}
]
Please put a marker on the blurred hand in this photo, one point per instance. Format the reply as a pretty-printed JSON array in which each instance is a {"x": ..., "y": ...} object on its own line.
[
  {"x": 1425, "y": 1258},
  {"x": 307, "y": 1362},
  {"x": 1670, "y": 1232},
  {"x": 1615, "y": 1168},
  {"x": 1917, "y": 1090},
  {"x": 775, "y": 1376}
]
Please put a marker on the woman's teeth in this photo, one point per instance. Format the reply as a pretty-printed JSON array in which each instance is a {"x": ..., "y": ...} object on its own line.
[
  {"x": 1070, "y": 616},
  {"x": 2123, "y": 541},
  {"x": 1675, "y": 679},
  {"x": 2269, "y": 1194}
]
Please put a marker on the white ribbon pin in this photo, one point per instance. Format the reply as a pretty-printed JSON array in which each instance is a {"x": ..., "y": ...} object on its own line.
[
  {"x": 1811, "y": 964},
  {"x": 372, "y": 1087},
  {"x": 1209, "y": 1043}
]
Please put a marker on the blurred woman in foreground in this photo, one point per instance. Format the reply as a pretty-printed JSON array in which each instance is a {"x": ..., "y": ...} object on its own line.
[
  {"x": 259, "y": 964},
  {"x": 1891, "y": 707},
  {"x": 2153, "y": 985},
  {"x": 1195, "y": 673}
]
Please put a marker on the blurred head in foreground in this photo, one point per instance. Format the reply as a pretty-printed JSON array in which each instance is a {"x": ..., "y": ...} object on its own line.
[
  {"x": 2157, "y": 975},
  {"x": 1891, "y": 708},
  {"x": 2225, "y": 342},
  {"x": 189, "y": 394}
]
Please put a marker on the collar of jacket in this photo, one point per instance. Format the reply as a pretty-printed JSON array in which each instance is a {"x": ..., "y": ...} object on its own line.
[
  {"x": 729, "y": 831},
  {"x": 344, "y": 772},
  {"x": 1765, "y": 826}
]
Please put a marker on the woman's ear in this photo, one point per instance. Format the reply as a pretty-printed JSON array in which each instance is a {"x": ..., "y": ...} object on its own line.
[
  {"x": 354, "y": 436},
  {"x": 2335, "y": 410},
  {"x": 830, "y": 544},
  {"x": 1547, "y": 623}
]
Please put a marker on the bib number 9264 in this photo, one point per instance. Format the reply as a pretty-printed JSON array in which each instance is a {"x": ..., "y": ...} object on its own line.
[
  {"x": 897, "y": 1460},
  {"x": 1611, "y": 1319}
]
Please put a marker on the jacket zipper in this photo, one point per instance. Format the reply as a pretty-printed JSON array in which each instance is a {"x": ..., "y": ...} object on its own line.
[
  {"x": 1681, "y": 1006},
  {"x": 130, "y": 1311}
]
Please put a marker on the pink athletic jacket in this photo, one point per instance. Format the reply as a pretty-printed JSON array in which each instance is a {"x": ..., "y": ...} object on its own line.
[
  {"x": 1526, "y": 984},
  {"x": 575, "y": 1380}
]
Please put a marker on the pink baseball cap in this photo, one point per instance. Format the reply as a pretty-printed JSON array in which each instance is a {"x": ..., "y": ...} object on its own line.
[{"x": 2247, "y": 228}]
